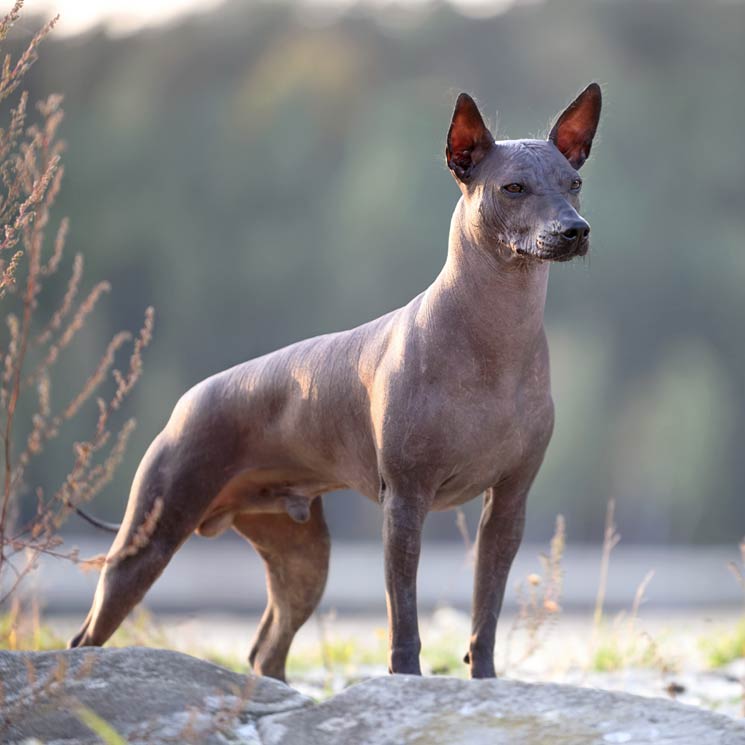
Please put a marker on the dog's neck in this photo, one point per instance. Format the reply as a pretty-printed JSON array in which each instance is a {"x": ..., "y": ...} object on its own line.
[{"x": 494, "y": 297}]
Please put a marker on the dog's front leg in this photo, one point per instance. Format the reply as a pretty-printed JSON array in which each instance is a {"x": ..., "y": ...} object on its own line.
[
  {"x": 499, "y": 536},
  {"x": 402, "y": 532}
]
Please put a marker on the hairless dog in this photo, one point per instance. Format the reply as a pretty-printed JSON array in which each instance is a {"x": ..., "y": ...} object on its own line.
[{"x": 422, "y": 409}]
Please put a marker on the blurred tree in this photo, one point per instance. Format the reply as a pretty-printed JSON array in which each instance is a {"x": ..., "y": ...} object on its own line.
[{"x": 263, "y": 173}]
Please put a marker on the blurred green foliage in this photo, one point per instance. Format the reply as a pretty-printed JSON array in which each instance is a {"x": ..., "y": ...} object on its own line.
[{"x": 267, "y": 172}]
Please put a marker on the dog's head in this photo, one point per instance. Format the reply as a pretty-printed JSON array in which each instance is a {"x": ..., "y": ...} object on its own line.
[{"x": 522, "y": 196}]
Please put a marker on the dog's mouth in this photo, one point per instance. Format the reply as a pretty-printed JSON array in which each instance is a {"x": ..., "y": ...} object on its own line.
[{"x": 545, "y": 250}]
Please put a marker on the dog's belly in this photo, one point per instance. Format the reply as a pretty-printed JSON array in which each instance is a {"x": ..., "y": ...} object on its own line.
[
  {"x": 469, "y": 481},
  {"x": 288, "y": 490},
  {"x": 453, "y": 496}
]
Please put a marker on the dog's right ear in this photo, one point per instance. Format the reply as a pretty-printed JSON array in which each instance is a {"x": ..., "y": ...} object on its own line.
[{"x": 469, "y": 140}]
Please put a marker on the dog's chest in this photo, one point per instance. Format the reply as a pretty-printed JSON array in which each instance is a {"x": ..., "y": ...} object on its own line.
[
  {"x": 499, "y": 440},
  {"x": 461, "y": 435}
]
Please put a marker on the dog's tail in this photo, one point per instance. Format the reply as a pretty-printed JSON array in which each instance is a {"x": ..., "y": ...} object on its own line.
[{"x": 102, "y": 524}]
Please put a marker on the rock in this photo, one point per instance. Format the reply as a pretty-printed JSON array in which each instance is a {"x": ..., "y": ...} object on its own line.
[
  {"x": 735, "y": 669},
  {"x": 156, "y": 697},
  {"x": 146, "y": 695},
  {"x": 404, "y": 710}
]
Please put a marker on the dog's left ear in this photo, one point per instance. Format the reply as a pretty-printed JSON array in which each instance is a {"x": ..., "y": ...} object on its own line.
[
  {"x": 469, "y": 140},
  {"x": 576, "y": 127}
]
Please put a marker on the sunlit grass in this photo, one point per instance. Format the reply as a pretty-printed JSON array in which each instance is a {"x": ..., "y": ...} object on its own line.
[
  {"x": 723, "y": 648},
  {"x": 141, "y": 630},
  {"x": 622, "y": 647},
  {"x": 24, "y": 630}
]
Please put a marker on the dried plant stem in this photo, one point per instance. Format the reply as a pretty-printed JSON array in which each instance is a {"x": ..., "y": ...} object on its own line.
[
  {"x": 31, "y": 176},
  {"x": 538, "y": 599},
  {"x": 738, "y": 571},
  {"x": 462, "y": 524},
  {"x": 641, "y": 591},
  {"x": 610, "y": 541},
  {"x": 12, "y": 404}
]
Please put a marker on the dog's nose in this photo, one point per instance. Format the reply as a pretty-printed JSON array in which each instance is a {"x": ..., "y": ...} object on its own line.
[{"x": 575, "y": 231}]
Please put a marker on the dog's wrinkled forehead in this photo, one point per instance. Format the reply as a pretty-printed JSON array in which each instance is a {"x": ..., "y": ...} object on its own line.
[{"x": 534, "y": 162}]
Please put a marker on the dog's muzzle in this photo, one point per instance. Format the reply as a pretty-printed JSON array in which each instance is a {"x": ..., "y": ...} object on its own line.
[{"x": 565, "y": 243}]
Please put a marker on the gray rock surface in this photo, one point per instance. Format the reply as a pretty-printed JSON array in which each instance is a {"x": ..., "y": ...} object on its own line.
[
  {"x": 404, "y": 710},
  {"x": 146, "y": 695},
  {"x": 157, "y": 697}
]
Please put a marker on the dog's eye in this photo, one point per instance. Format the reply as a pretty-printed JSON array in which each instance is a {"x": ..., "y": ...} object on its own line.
[
  {"x": 576, "y": 185},
  {"x": 514, "y": 188}
]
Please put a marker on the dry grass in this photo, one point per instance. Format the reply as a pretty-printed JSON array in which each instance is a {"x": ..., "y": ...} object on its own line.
[
  {"x": 31, "y": 171},
  {"x": 610, "y": 541},
  {"x": 538, "y": 598},
  {"x": 622, "y": 644},
  {"x": 724, "y": 648}
]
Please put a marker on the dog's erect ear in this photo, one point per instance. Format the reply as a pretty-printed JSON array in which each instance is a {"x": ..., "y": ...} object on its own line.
[
  {"x": 468, "y": 138},
  {"x": 575, "y": 128}
]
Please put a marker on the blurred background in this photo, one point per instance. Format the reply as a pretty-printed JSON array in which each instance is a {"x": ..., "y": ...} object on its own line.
[{"x": 262, "y": 172}]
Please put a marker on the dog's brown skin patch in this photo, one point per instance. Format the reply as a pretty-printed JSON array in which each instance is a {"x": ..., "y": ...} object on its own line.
[{"x": 422, "y": 409}]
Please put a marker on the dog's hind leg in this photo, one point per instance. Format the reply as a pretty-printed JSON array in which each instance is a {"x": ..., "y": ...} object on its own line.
[
  {"x": 156, "y": 524},
  {"x": 296, "y": 559}
]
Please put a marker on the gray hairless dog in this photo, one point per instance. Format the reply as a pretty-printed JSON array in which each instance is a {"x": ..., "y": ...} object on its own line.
[{"x": 422, "y": 409}]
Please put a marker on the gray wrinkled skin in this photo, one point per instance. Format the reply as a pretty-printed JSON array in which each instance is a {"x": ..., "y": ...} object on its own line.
[{"x": 422, "y": 409}]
